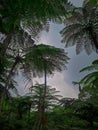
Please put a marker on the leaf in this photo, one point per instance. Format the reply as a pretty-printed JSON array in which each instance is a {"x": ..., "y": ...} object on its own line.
[
  {"x": 95, "y": 62},
  {"x": 89, "y": 68},
  {"x": 76, "y": 31},
  {"x": 93, "y": 2}
]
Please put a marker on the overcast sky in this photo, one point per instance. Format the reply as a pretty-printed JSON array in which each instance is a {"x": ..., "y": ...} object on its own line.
[
  {"x": 77, "y": 2},
  {"x": 63, "y": 81}
]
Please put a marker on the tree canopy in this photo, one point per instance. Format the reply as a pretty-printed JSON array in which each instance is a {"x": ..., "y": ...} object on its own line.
[
  {"x": 81, "y": 29},
  {"x": 42, "y": 107}
]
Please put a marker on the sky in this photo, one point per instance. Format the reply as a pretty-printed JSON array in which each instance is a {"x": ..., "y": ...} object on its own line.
[
  {"x": 77, "y": 2},
  {"x": 63, "y": 81}
]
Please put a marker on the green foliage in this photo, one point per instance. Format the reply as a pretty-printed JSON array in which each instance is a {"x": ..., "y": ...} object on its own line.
[
  {"x": 42, "y": 104},
  {"x": 87, "y": 111},
  {"x": 42, "y": 109},
  {"x": 75, "y": 117},
  {"x": 92, "y": 78},
  {"x": 94, "y": 2},
  {"x": 13, "y": 12},
  {"x": 45, "y": 56},
  {"x": 37, "y": 94},
  {"x": 81, "y": 29},
  {"x": 87, "y": 107}
]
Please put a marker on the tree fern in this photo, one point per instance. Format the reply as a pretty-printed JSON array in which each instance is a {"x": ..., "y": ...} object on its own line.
[{"x": 81, "y": 29}]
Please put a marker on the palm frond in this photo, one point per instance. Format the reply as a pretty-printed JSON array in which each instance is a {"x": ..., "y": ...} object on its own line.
[
  {"x": 81, "y": 29},
  {"x": 17, "y": 11},
  {"x": 95, "y": 62},
  {"x": 90, "y": 68},
  {"x": 90, "y": 78},
  {"x": 41, "y": 55}
]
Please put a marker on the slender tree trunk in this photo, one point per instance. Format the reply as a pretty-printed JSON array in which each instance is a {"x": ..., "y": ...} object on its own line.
[
  {"x": 7, "y": 84},
  {"x": 37, "y": 123},
  {"x": 44, "y": 98},
  {"x": 40, "y": 122},
  {"x": 32, "y": 84},
  {"x": 3, "y": 50},
  {"x": 80, "y": 88},
  {"x": 10, "y": 74},
  {"x": 45, "y": 87}
]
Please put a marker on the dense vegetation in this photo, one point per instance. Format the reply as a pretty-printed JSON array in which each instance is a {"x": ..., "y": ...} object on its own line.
[{"x": 42, "y": 108}]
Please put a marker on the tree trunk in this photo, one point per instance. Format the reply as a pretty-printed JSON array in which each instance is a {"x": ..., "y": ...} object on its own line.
[
  {"x": 44, "y": 98},
  {"x": 7, "y": 84},
  {"x": 80, "y": 88}
]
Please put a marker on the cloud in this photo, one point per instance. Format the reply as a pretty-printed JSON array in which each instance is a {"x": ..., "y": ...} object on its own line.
[
  {"x": 60, "y": 82},
  {"x": 63, "y": 81}
]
